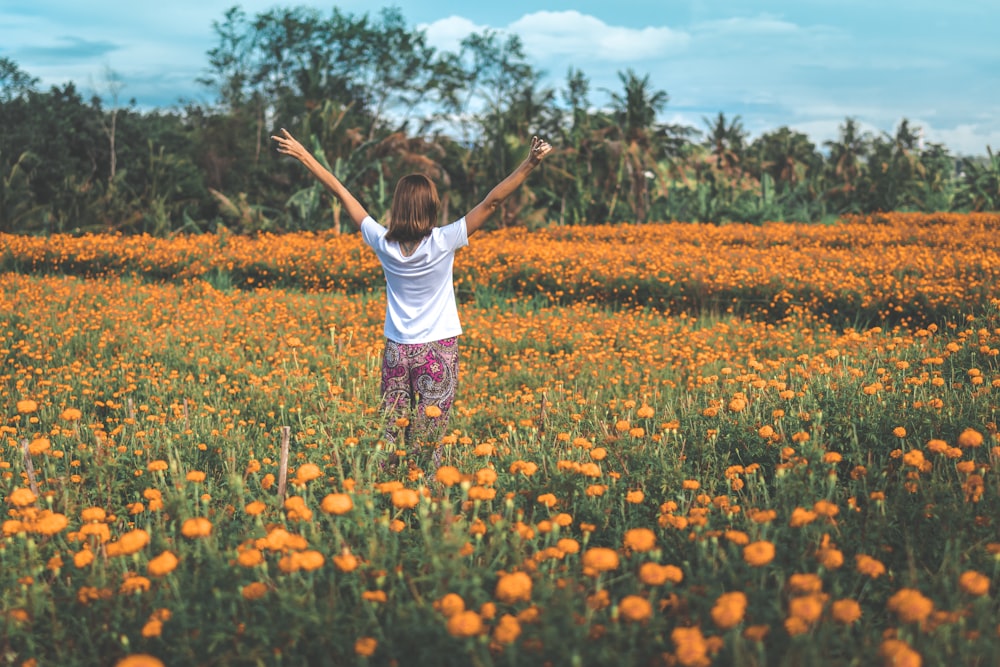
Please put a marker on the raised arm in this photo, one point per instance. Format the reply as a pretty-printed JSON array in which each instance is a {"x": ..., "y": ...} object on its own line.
[
  {"x": 289, "y": 145},
  {"x": 475, "y": 218}
]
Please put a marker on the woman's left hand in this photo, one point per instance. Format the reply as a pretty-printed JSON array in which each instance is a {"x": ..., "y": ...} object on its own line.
[
  {"x": 289, "y": 145},
  {"x": 539, "y": 149}
]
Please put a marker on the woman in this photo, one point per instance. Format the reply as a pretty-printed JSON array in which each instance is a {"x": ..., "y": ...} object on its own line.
[{"x": 420, "y": 364}]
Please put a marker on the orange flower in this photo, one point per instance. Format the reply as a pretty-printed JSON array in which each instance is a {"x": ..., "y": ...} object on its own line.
[
  {"x": 26, "y": 406},
  {"x": 758, "y": 554},
  {"x": 196, "y": 476},
  {"x": 801, "y": 517},
  {"x": 600, "y": 559},
  {"x": 507, "y": 630},
  {"x": 845, "y": 611},
  {"x": 448, "y": 475},
  {"x": 255, "y": 590},
  {"x": 134, "y": 584},
  {"x": 654, "y": 574},
  {"x": 635, "y": 608},
  {"x": 897, "y": 653},
  {"x": 139, "y": 660},
  {"x": 692, "y": 651},
  {"x": 307, "y": 472},
  {"x": 970, "y": 438},
  {"x": 910, "y": 605},
  {"x": 514, "y": 587},
  {"x": 254, "y": 508},
  {"x": 973, "y": 583},
  {"x": 163, "y": 564},
  {"x": 129, "y": 543},
  {"x": 39, "y": 445},
  {"x": 729, "y": 610},
  {"x": 807, "y": 607},
  {"x": 83, "y": 558},
  {"x": 196, "y": 527},
  {"x": 157, "y": 466},
  {"x": 405, "y": 498},
  {"x": 365, "y": 646},
  {"x": 21, "y": 497},
  {"x": 345, "y": 560},
  {"x": 465, "y": 624},
  {"x": 432, "y": 411},
  {"x": 337, "y": 503},
  {"x": 804, "y": 584},
  {"x": 250, "y": 558},
  {"x": 640, "y": 539},
  {"x": 635, "y": 497},
  {"x": 868, "y": 566},
  {"x": 450, "y": 604}
]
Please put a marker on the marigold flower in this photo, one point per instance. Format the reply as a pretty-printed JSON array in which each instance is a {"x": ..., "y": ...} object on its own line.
[
  {"x": 26, "y": 406},
  {"x": 131, "y": 542},
  {"x": 974, "y": 583},
  {"x": 729, "y": 610},
  {"x": 49, "y": 523},
  {"x": 21, "y": 497},
  {"x": 507, "y": 630},
  {"x": 568, "y": 545},
  {"x": 38, "y": 446},
  {"x": 196, "y": 476},
  {"x": 807, "y": 607},
  {"x": 635, "y": 608},
  {"x": 405, "y": 498},
  {"x": 845, "y": 611},
  {"x": 635, "y": 497},
  {"x": 756, "y": 633},
  {"x": 374, "y": 596},
  {"x": 801, "y": 517},
  {"x": 134, "y": 584},
  {"x": 758, "y": 554},
  {"x": 897, "y": 653},
  {"x": 448, "y": 475},
  {"x": 307, "y": 472},
  {"x": 139, "y": 660},
  {"x": 337, "y": 503},
  {"x": 600, "y": 559},
  {"x": 640, "y": 539},
  {"x": 513, "y": 587},
  {"x": 196, "y": 527},
  {"x": 868, "y": 566},
  {"x": 465, "y": 624},
  {"x": 450, "y": 604},
  {"x": 255, "y": 590},
  {"x": 157, "y": 466},
  {"x": 970, "y": 438},
  {"x": 432, "y": 411},
  {"x": 654, "y": 574},
  {"x": 345, "y": 561},
  {"x": 804, "y": 583},
  {"x": 255, "y": 507},
  {"x": 910, "y": 605},
  {"x": 365, "y": 646},
  {"x": 250, "y": 558},
  {"x": 692, "y": 651},
  {"x": 83, "y": 558},
  {"x": 162, "y": 565}
]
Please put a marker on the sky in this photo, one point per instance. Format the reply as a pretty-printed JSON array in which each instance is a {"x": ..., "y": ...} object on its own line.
[{"x": 808, "y": 64}]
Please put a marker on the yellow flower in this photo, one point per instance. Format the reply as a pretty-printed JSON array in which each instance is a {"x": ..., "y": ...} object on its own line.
[
  {"x": 514, "y": 587},
  {"x": 758, "y": 554},
  {"x": 465, "y": 624},
  {"x": 365, "y": 646},
  {"x": 635, "y": 608}
]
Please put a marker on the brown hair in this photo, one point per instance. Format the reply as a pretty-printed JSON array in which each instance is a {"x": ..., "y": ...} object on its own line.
[{"x": 415, "y": 206}]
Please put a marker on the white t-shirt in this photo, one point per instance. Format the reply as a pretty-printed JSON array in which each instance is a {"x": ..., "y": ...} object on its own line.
[{"x": 420, "y": 294}]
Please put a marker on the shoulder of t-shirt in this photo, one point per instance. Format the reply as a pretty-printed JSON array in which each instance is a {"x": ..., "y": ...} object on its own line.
[
  {"x": 371, "y": 231},
  {"x": 454, "y": 235}
]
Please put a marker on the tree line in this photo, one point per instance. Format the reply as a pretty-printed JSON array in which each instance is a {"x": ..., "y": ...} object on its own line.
[{"x": 373, "y": 100}]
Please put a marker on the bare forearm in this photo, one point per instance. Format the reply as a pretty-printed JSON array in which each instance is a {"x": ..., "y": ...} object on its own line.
[{"x": 475, "y": 218}]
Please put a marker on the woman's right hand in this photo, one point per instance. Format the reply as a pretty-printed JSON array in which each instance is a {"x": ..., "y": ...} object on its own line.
[{"x": 289, "y": 145}]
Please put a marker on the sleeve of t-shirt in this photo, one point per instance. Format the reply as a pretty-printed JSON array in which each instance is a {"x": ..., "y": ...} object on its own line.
[
  {"x": 455, "y": 235},
  {"x": 371, "y": 231}
]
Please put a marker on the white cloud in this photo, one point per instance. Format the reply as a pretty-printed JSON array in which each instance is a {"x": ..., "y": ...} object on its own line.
[
  {"x": 575, "y": 35},
  {"x": 447, "y": 34}
]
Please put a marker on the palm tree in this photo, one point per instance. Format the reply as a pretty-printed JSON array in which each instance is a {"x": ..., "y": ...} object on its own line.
[
  {"x": 640, "y": 138},
  {"x": 846, "y": 164},
  {"x": 726, "y": 141}
]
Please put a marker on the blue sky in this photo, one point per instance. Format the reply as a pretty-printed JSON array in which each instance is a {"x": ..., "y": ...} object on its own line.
[{"x": 806, "y": 64}]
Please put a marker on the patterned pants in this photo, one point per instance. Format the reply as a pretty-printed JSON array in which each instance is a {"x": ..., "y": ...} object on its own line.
[{"x": 416, "y": 376}]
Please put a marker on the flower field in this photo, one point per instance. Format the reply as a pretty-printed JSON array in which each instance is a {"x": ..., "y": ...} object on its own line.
[{"x": 673, "y": 445}]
